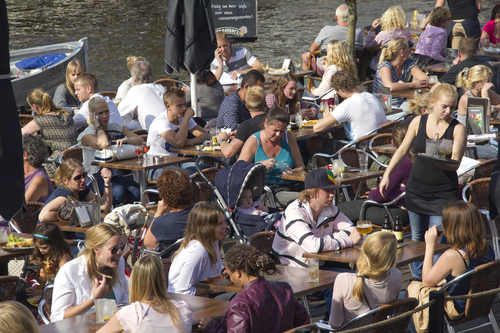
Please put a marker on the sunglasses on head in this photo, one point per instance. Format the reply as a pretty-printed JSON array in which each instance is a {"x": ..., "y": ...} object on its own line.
[
  {"x": 114, "y": 249},
  {"x": 77, "y": 178}
]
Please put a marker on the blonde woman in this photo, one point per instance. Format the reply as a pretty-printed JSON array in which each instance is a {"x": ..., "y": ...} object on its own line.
[
  {"x": 431, "y": 185},
  {"x": 393, "y": 25},
  {"x": 396, "y": 68},
  {"x": 337, "y": 58},
  {"x": 375, "y": 283},
  {"x": 99, "y": 272},
  {"x": 55, "y": 126},
  {"x": 150, "y": 309},
  {"x": 16, "y": 318},
  {"x": 127, "y": 84},
  {"x": 65, "y": 97},
  {"x": 199, "y": 254},
  {"x": 420, "y": 104}
]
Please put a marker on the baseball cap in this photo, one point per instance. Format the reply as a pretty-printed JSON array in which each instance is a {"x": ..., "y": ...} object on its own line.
[{"x": 320, "y": 178}]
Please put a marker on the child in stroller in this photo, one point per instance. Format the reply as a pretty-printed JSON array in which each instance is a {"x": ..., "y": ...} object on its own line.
[{"x": 246, "y": 204}]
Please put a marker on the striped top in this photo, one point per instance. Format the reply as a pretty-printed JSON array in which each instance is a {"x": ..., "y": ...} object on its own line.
[{"x": 405, "y": 77}]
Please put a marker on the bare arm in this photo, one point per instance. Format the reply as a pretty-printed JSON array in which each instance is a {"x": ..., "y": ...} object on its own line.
[
  {"x": 200, "y": 134},
  {"x": 385, "y": 75},
  {"x": 49, "y": 211},
  {"x": 150, "y": 240},
  {"x": 179, "y": 139},
  {"x": 132, "y": 138},
  {"x": 97, "y": 141},
  {"x": 325, "y": 123},
  {"x": 479, "y": 6},
  {"x": 314, "y": 47},
  {"x": 249, "y": 149},
  {"x": 294, "y": 149},
  {"x": 220, "y": 69},
  {"x": 112, "y": 326},
  {"x": 106, "y": 200},
  {"x": 229, "y": 149},
  {"x": 439, "y": 3},
  {"x": 30, "y": 128},
  {"x": 37, "y": 189}
]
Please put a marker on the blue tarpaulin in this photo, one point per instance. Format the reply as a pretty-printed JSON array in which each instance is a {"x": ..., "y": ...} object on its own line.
[{"x": 37, "y": 62}]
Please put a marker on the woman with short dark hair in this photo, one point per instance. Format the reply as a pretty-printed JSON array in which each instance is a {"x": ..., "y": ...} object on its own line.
[{"x": 37, "y": 184}]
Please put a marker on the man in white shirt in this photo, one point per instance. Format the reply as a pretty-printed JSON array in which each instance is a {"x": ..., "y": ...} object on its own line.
[
  {"x": 360, "y": 113},
  {"x": 232, "y": 60},
  {"x": 86, "y": 88},
  {"x": 171, "y": 128},
  {"x": 144, "y": 101}
]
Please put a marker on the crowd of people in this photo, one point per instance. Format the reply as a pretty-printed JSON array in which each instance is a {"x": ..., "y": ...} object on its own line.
[{"x": 79, "y": 116}]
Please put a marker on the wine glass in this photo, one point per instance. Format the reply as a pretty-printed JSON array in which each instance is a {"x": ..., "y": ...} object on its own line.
[
  {"x": 138, "y": 152},
  {"x": 145, "y": 148},
  {"x": 338, "y": 167},
  {"x": 265, "y": 65},
  {"x": 445, "y": 147},
  {"x": 364, "y": 227}
]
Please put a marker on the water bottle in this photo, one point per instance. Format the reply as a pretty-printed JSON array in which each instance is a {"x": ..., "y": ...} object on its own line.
[{"x": 298, "y": 116}]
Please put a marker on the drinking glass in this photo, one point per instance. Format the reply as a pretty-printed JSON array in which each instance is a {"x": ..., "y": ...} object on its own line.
[
  {"x": 265, "y": 65},
  {"x": 108, "y": 309},
  {"x": 297, "y": 64},
  {"x": 363, "y": 162},
  {"x": 338, "y": 167},
  {"x": 430, "y": 147},
  {"x": 145, "y": 148},
  {"x": 138, "y": 152},
  {"x": 433, "y": 79},
  {"x": 364, "y": 227},
  {"x": 445, "y": 147},
  {"x": 313, "y": 269}
]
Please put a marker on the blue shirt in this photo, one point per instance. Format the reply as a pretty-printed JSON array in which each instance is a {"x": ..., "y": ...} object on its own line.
[
  {"x": 233, "y": 112},
  {"x": 284, "y": 157},
  {"x": 405, "y": 77}
]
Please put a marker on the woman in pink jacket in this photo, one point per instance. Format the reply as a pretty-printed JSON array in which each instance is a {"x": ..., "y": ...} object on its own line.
[{"x": 431, "y": 46}]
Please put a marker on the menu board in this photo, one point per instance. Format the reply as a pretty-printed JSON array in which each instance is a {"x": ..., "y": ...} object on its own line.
[{"x": 237, "y": 18}]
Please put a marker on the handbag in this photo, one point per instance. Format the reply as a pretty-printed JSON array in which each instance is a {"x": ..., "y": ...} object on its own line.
[
  {"x": 66, "y": 209},
  {"x": 417, "y": 290},
  {"x": 113, "y": 152},
  {"x": 124, "y": 216}
]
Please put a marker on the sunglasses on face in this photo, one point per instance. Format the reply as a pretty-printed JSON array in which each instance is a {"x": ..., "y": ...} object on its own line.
[
  {"x": 77, "y": 178},
  {"x": 226, "y": 275},
  {"x": 114, "y": 250}
]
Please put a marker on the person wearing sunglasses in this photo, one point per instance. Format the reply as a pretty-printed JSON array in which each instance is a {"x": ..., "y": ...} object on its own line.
[
  {"x": 98, "y": 272},
  {"x": 71, "y": 181},
  {"x": 261, "y": 306}
]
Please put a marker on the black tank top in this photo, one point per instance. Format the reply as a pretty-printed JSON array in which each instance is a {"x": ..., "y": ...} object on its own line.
[
  {"x": 463, "y": 9},
  {"x": 430, "y": 188}
]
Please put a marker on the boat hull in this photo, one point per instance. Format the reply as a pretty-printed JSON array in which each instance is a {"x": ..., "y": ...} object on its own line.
[{"x": 53, "y": 75}]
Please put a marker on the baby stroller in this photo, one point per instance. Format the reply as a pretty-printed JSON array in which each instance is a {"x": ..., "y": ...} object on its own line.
[{"x": 229, "y": 184}]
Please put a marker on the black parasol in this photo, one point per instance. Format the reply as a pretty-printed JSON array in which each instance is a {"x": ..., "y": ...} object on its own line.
[
  {"x": 190, "y": 39},
  {"x": 11, "y": 156}
]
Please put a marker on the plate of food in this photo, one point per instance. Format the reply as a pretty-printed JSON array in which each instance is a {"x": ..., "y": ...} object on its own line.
[
  {"x": 19, "y": 244},
  {"x": 436, "y": 159},
  {"x": 309, "y": 123},
  {"x": 491, "y": 50},
  {"x": 280, "y": 71}
]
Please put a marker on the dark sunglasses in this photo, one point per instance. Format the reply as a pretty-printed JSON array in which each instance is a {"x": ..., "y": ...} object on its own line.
[
  {"x": 77, "y": 178},
  {"x": 114, "y": 249}
]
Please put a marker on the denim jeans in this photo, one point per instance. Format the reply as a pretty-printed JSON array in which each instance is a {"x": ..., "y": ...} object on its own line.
[
  {"x": 125, "y": 190},
  {"x": 420, "y": 223}
]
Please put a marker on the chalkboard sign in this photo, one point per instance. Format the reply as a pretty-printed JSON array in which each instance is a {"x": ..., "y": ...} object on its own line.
[{"x": 237, "y": 18}]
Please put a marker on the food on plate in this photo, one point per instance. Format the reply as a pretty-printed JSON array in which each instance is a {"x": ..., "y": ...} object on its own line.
[
  {"x": 309, "y": 122},
  {"x": 19, "y": 242}
]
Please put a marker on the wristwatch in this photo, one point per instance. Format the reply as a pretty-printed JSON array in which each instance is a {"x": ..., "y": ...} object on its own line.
[{"x": 221, "y": 140}]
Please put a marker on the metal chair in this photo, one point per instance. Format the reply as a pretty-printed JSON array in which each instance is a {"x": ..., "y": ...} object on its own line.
[
  {"x": 379, "y": 314},
  {"x": 201, "y": 190},
  {"x": 387, "y": 128},
  {"x": 109, "y": 93},
  {"x": 477, "y": 193},
  {"x": 483, "y": 278},
  {"x": 167, "y": 253},
  {"x": 25, "y": 119},
  {"x": 26, "y": 223},
  {"x": 8, "y": 287},
  {"x": 44, "y": 307},
  {"x": 386, "y": 205},
  {"x": 262, "y": 241},
  {"x": 168, "y": 83},
  {"x": 379, "y": 140}
]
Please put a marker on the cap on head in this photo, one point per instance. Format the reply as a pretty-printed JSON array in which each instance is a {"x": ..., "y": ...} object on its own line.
[{"x": 320, "y": 178}]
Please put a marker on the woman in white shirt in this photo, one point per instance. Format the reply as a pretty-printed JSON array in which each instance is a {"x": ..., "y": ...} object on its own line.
[
  {"x": 150, "y": 309},
  {"x": 337, "y": 58},
  {"x": 375, "y": 283},
  {"x": 99, "y": 272},
  {"x": 199, "y": 253}
]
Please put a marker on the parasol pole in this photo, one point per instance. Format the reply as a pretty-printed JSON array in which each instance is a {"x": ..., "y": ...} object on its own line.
[{"x": 194, "y": 97}]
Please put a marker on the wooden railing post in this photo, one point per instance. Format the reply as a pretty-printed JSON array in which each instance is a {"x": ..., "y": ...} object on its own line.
[{"x": 436, "y": 312}]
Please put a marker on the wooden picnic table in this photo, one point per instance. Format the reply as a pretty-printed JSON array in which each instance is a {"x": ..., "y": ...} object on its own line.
[
  {"x": 201, "y": 307},
  {"x": 191, "y": 150},
  {"x": 8, "y": 254},
  {"x": 409, "y": 93},
  {"x": 143, "y": 166},
  {"x": 410, "y": 252},
  {"x": 297, "y": 73},
  {"x": 348, "y": 177},
  {"x": 296, "y": 277}
]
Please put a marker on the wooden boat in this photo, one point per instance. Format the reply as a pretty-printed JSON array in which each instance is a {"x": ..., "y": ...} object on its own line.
[{"x": 48, "y": 77}]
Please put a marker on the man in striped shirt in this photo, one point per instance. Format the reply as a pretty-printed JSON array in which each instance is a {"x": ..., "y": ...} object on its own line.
[{"x": 312, "y": 223}]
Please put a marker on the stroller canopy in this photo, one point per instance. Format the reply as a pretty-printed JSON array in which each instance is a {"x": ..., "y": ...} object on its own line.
[{"x": 231, "y": 181}]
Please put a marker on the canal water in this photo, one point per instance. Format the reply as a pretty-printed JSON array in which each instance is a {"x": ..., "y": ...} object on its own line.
[{"x": 119, "y": 28}]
